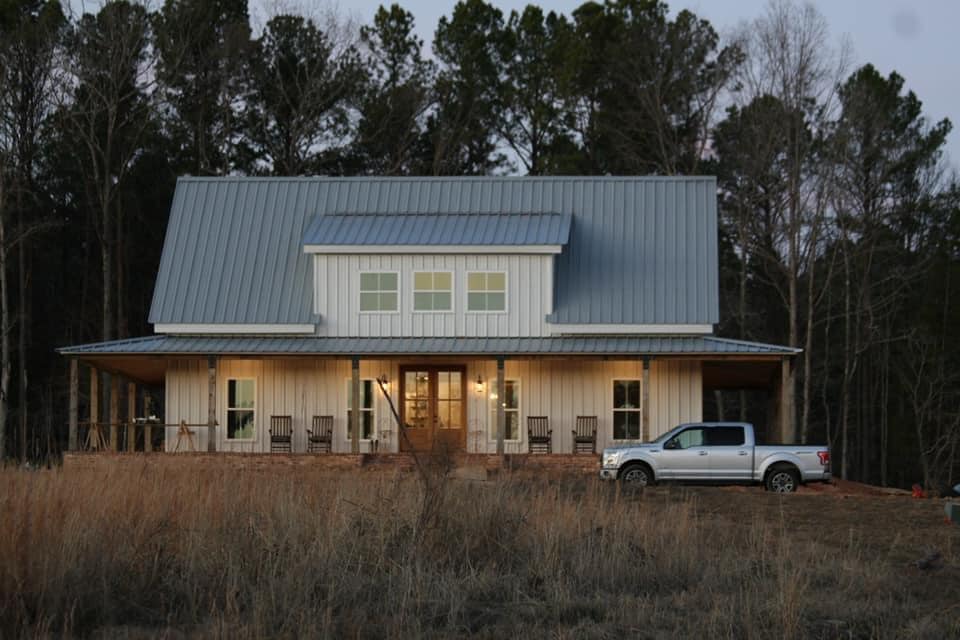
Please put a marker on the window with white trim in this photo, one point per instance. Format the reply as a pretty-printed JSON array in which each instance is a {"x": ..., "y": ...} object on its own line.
[
  {"x": 432, "y": 291},
  {"x": 626, "y": 409},
  {"x": 379, "y": 292},
  {"x": 486, "y": 291},
  {"x": 241, "y": 408},
  {"x": 511, "y": 411},
  {"x": 366, "y": 409}
]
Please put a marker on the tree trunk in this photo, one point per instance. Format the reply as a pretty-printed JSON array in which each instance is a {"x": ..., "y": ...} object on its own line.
[
  {"x": 22, "y": 322},
  {"x": 4, "y": 332}
]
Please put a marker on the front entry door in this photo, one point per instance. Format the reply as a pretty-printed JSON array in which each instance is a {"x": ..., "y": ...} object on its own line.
[{"x": 434, "y": 407}]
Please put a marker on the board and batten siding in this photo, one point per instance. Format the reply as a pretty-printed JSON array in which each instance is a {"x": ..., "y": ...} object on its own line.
[
  {"x": 302, "y": 388},
  {"x": 336, "y": 292}
]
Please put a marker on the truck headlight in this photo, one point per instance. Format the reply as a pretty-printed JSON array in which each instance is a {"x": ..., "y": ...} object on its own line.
[{"x": 610, "y": 459}]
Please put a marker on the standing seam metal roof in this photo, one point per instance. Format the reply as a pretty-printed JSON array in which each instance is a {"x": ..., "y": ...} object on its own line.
[
  {"x": 605, "y": 345},
  {"x": 640, "y": 250},
  {"x": 471, "y": 229}
]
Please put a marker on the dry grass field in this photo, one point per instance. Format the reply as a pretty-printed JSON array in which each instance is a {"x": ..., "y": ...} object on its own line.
[{"x": 231, "y": 555}]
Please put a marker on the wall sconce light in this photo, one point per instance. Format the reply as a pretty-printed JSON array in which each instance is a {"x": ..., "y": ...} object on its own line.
[
  {"x": 479, "y": 386},
  {"x": 384, "y": 380}
]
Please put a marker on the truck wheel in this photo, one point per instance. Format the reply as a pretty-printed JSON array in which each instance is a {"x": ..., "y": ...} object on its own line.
[
  {"x": 636, "y": 475},
  {"x": 783, "y": 479}
]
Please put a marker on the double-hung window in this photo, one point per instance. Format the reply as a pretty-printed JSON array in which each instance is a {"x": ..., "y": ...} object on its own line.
[
  {"x": 379, "y": 292},
  {"x": 241, "y": 407},
  {"x": 366, "y": 409},
  {"x": 626, "y": 409},
  {"x": 487, "y": 291},
  {"x": 432, "y": 291},
  {"x": 511, "y": 412}
]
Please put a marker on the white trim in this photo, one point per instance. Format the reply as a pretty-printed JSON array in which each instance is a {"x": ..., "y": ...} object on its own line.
[
  {"x": 227, "y": 409},
  {"x": 378, "y": 272},
  {"x": 239, "y": 329},
  {"x": 506, "y": 292},
  {"x": 414, "y": 290},
  {"x": 381, "y": 249},
  {"x": 631, "y": 329},
  {"x": 637, "y": 410},
  {"x": 519, "y": 411}
]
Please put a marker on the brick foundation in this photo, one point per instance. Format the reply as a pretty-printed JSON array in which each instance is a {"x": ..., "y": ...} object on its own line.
[{"x": 525, "y": 464}]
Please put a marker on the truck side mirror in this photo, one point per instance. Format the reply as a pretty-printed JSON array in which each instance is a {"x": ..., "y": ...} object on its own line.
[{"x": 671, "y": 444}]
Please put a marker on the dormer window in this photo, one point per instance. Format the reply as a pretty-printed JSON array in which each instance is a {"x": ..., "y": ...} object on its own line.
[
  {"x": 378, "y": 292},
  {"x": 487, "y": 291},
  {"x": 432, "y": 291}
]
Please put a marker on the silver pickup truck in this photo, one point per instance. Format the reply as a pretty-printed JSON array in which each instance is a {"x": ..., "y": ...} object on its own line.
[{"x": 721, "y": 452}]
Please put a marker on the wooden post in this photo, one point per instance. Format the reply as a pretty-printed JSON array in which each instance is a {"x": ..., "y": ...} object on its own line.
[
  {"x": 93, "y": 429},
  {"x": 72, "y": 445},
  {"x": 787, "y": 434},
  {"x": 114, "y": 411},
  {"x": 355, "y": 407},
  {"x": 211, "y": 404},
  {"x": 501, "y": 415},
  {"x": 645, "y": 401},
  {"x": 147, "y": 428},
  {"x": 131, "y": 416}
]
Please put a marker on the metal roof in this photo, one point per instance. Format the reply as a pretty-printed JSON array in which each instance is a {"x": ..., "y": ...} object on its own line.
[
  {"x": 585, "y": 345},
  {"x": 640, "y": 250},
  {"x": 476, "y": 229}
]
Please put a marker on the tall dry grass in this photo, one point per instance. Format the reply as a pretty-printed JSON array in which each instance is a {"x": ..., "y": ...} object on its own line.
[{"x": 238, "y": 555}]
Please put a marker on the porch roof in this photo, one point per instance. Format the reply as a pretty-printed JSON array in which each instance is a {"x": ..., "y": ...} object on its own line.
[{"x": 174, "y": 345}]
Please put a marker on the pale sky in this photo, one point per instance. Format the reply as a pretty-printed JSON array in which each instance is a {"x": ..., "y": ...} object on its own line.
[{"x": 919, "y": 39}]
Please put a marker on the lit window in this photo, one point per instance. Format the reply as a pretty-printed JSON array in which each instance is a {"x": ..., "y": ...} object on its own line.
[
  {"x": 366, "y": 409},
  {"x": 626, "y": 409},
  {"x": 486, "y": 291},
  {"x": 432, "y": 291},
  {"x": 378, "y": 292},
  {"x": 241, "y": 394}
]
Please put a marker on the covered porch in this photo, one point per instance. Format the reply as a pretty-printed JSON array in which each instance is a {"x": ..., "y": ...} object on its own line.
[{"x": 456, "y": 395}]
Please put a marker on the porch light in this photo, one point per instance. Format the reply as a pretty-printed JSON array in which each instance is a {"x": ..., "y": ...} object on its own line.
[
  {"x": 384, "y": 380},
  {"x": 479, "y": 384}
]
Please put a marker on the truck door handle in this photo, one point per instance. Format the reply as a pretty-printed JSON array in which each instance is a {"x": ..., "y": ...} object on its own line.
[
  {"x": 703, "y": 453},
  {"x": 741, "y": 453}
]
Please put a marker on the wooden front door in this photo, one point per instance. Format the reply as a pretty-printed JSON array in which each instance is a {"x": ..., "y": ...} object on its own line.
[{"x": 434, "y": 407}]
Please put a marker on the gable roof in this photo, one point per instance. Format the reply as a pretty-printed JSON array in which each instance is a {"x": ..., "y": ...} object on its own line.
[
  {"x": 639, "y": 251},
  {"x": 439, "y": 229}
]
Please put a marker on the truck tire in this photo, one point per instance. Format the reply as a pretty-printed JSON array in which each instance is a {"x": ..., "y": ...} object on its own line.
[
  {"x": 637, "y": 475},
  {"x": 782, "y": 478}
]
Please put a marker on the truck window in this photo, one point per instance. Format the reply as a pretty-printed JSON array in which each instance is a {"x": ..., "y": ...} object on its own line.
[
  {"x": 686, "y": 439},
  {"x": 725, "y": 436}
]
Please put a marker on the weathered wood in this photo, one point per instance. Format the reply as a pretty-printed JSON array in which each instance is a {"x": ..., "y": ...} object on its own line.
[
  {"x": 787, "y": 434},
  {"x": 114, "y": 411},
  {"x": 94, "y": 438},
  {"x": 355, "y": 407},
  {"x": 72, "y": 444},
  {"x": 131, "y": 416},
  {"x": 211, "y": 403},
  {"x": 645, "y": 402},
  {"x": 501, "y": 414}
]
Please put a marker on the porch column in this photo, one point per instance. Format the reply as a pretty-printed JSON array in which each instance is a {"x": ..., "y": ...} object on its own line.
[
  {"x": 211, "y": 404},
  {"x": 645, "y": 401},
  {"x": 114, "y": 412},
  {"x": 74, "y": 403},
  {"x": 501, "y": 416},
  {"x": 131, "y": 416},
  {"x": 787, "y": 426},
  {"x": 93, "y": 428},
  {"x": 354, "y": 406}
]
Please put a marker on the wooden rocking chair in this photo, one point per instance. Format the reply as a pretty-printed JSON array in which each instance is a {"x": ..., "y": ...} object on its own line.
[
  {"x": 281, "y": 434},
  {"x": 539, "y": 434},
  {"x": 320, "y": 437},
  {"x": 585, "y": 435}
]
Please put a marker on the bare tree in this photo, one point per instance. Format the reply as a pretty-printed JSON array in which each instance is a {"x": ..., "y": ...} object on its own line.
[{"x": 789, "y": 56}]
